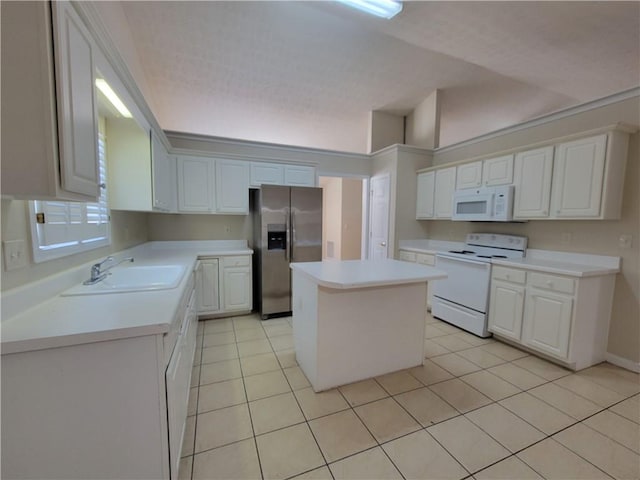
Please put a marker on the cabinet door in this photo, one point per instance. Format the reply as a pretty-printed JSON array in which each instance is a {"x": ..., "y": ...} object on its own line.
[
  {"x": 161, "y": 175},
  {"x": 266, "y": 173},
  {"x": 77, "y": 109},
  {"x": 469, "y": 175},
  {"x": 445, "y": 186},
  {"x": 298, "y": 176},
  {"x": 578, "y": 172},
  {"x": 232, "y": 187},
  {"x": 505, "y": 309},
  {"x": 195, "y": 184},
  {"x": 237, "y": 288},
  {"x": 207, "y": 286},
  {"x": 532, "y": 180},
  {"x": 547, "y": 322},
  {"x": 425, "y": 195},
  {"x": 497, "y": 171}
]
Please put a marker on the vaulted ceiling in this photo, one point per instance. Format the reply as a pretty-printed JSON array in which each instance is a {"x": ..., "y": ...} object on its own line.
[{"x": 308, "y": 73}]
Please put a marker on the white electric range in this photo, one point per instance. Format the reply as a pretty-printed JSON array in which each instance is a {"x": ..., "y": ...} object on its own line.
[{"x": 462, "y": 299}]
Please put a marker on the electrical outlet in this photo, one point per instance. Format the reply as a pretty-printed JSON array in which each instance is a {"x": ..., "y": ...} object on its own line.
[
  {"x": 625, "y": 241},
  {"x": 15, "y": 254},
  {"x": 227, "y": 229}
]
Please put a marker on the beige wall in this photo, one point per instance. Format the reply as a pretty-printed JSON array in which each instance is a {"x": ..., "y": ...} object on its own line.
[
  {"x": 596, "y": 237},
  {"x": 423, "y": 123},
  {"x": 127, "y": 229},
  {"x": 163, "y": 226},
  {"x": 384, "y": 129},
  {"x": 351, "y": 227},
  {"x": 331, "y": 217}
]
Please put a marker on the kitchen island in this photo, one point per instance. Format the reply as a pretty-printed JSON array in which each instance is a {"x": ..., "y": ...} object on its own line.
[{"x": 358, "y": 319}]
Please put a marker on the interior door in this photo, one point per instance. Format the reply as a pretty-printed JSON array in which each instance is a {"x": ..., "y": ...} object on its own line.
[{"x": 379, "y": 217}]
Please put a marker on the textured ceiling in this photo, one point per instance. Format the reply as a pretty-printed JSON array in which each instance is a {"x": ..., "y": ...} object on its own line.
[{"x": 308, "y": 73}]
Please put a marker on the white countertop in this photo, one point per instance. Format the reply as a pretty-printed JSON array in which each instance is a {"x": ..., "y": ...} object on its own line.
[
  {"x": 564, "y": 263},
  {"x": 366, "y": 273},
  {"x": 36, "y": 317},
  {"x": 550, "y": 261}
]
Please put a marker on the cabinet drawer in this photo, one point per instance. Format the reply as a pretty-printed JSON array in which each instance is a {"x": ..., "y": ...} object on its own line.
[
  {"x": 552, "y": 282},
  {"x": 407, "y": 256},
  {"x": 426, "y": 259},
  {"x": 239, "y": 261},
  {"x": 508, "y": 274}
]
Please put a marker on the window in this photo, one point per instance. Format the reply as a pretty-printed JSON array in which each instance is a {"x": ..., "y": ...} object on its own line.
[{"x": 59, "y": 229}]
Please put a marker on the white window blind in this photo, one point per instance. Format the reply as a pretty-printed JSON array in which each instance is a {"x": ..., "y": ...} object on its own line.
[{"x": 64, "y": 228}]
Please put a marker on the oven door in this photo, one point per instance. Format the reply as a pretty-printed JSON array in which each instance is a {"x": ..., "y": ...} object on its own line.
[{"x": 467, "y": 283}]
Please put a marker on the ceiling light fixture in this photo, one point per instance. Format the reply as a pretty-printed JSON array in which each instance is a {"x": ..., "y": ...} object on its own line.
[
  {"x": 104, "y": 87},
  {"x": 380, "y": 8}
]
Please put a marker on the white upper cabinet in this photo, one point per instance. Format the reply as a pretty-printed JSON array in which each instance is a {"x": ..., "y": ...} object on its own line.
[
  {"x": 299, "y": 176},
  {"x": 469, "y": 175},
  {"x": 577, "y": 177},
  {"x": 232, "y": 187},
  {"x": 76, "y": 100},
  {"x": 497, "y": 171},
  {"x": 425, "y": 195},
  {"x": 163, "y": 176},
  {"x": 533, "y": 170},
  {"x": 196, "y": 184},
  {"x": 49, "y": 136},
  {"x": 445, "y": 186},
  {"x": 266, "y": 173}
]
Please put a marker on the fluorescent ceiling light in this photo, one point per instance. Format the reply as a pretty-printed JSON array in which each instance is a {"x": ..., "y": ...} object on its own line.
[
  {"x": 104, "y": 87},
  {"x": 380, "y": 8}
]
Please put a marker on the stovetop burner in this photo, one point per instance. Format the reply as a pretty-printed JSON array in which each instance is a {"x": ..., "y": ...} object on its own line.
[
  {"x": 464, "y": 252},
  {"x": 491, "y": 256}
]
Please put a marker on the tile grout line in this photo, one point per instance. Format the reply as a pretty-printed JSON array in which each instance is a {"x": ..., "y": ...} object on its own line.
[{"x": 244, "y": 386}]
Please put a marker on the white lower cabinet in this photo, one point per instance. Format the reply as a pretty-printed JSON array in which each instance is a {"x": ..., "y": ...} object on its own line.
[
  {"x": 208, "y": 286},
  {"x": 565, "y": 318},
  {"x": 507, "y": 302},
  {"x": 224, "y": 285},
  {"x": 107, "y": 409},
  {"x": 547, "y": 322}
]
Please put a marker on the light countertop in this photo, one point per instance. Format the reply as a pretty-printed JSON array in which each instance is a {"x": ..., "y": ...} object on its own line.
[
  {"x": 366, "y": 273},
  {"x": 564, "y": 263},
  {"x": 52, "y": 320},
  {"x": 549, "y": 261}
]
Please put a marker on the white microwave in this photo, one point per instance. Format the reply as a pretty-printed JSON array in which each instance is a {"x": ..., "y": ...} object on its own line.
[{"x": 486, "y": 204}]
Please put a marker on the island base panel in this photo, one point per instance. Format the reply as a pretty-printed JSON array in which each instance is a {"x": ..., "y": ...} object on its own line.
[{"x": 346, "y": 335}]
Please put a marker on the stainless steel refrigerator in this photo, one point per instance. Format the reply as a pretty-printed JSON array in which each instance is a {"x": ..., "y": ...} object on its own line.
[{"x": 287, "y": 227}]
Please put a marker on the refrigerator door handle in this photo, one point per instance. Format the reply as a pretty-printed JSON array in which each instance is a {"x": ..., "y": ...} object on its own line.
[{"x": 288, "y": 235}]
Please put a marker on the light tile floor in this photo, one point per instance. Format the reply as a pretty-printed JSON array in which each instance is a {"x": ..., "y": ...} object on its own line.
[{"x": 477, "y": 408}]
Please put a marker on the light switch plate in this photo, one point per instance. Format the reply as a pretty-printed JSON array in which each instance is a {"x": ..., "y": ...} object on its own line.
[{"x": 15, "y": 254}]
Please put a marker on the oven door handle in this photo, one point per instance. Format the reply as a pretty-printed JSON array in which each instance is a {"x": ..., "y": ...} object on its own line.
[{"x": 463, "y": 260}]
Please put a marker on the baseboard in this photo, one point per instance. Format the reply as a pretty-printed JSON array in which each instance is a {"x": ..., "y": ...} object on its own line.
[{"x": 623, "y": 362}]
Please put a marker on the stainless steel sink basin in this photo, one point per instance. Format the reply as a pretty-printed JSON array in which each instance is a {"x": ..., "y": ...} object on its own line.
[{"x": 133, "y": 279}]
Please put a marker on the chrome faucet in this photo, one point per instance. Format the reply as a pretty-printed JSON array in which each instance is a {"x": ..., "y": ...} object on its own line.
[{"x": 97, "y": 274}]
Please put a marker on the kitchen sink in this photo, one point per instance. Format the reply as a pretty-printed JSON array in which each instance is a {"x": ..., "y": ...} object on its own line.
[{"x": 133, "y": 279}]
